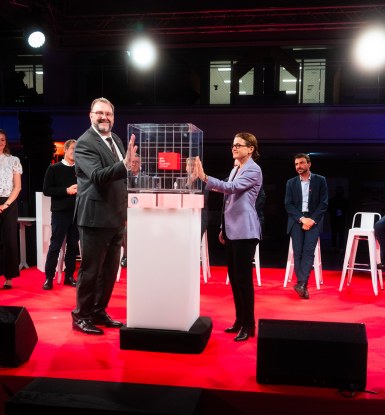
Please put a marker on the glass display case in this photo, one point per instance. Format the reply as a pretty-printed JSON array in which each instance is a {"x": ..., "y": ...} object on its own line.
[{"x": 166, "y": 158}]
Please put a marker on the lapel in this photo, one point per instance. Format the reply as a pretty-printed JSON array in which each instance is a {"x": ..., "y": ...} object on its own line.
[
  {"x": 298, "y": 191},
  {"x": 119, "y": 144},
  {"x": 103, "y": 146},
  {"x": 233, "y": 173},
  {"x": 105, "y": 150}
]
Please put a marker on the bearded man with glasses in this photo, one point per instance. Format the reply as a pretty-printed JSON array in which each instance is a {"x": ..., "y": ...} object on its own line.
[{"x": 100, "y": 211}]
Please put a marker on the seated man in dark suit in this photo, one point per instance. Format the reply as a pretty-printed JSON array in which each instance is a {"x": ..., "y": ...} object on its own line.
[{"x": 306, "y": 202}]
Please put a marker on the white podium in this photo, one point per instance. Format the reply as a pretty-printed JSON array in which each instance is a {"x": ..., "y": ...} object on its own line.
[{"x": 163, "y": 273}]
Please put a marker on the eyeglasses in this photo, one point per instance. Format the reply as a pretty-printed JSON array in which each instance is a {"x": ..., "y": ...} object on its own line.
[
  {"x": 101, "y": 113},
  {"x": 238, "y": 146}
]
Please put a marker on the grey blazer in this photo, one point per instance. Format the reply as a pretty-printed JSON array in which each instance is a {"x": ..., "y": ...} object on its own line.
[
  {"x": 101, "y": 200},
  {"x": 240, "y": 194}
]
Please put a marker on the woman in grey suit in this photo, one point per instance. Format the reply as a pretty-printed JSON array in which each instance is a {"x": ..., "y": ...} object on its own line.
[{"x": 241, "y": 230}]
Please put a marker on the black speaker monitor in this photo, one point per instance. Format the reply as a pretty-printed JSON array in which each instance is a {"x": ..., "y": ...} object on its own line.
[
  {"x": 18, "y": 336},
  {"x": 312, "y": 353}
]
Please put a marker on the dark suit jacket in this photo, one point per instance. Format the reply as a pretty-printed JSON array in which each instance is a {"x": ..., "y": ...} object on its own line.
[
  {"x": 101, "y": 199},
  {"x": 318, "y": 200}
]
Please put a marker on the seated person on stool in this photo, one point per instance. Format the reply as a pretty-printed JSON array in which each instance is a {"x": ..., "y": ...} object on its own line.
[
  {"x": 379, "y": 232},
  {"x": 306, "y": 202},
  {"x": 60, "y": 185}
]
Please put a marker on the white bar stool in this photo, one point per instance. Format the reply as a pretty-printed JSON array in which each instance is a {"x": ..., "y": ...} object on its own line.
[
  {"x": 205, "y": 260},
  {"x": 257, "y": 267},
  {"x": 363, "y": 232},
  {"x": 60, "y": 262},
  {"x": 120, "y": 265},
  {"x": 317, "y": 265}
]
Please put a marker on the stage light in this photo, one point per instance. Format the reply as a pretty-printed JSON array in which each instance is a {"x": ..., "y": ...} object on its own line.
[
  {"x": 143, "y": 53},
  {"x": 36, "y": 39},
  {"x": 369, "y": 51}
]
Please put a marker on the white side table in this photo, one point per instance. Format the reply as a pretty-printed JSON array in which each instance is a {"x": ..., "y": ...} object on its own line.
[{"x": 23, "y": 222}]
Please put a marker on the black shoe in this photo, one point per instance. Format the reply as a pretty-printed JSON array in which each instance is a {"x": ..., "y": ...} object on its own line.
[
  {"x": 381, "y": 266},
  {"x": 301, "y": 290},
  {"x": 234, "y": 328},
  {"x": 244, "y": 334},
  {"x": 7, "y": 286},
  {"x": 48, "y": 285},
  {"x": 70, "y": 281},
  {"x": 86, "y": 326},
  {"x": 106, "y": 321},
  {"x": 123, "y": 262}
]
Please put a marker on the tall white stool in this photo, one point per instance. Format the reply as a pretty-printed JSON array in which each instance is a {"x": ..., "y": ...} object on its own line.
[
  {"x": 120, "y": 265},
  {"x": 257, "y": 267},
  {"x": 205, "y": 260},
  {"x": 60, "y": 262},
  {"x": 317, "y": 265},
  {"x": 365, "y": 232}
]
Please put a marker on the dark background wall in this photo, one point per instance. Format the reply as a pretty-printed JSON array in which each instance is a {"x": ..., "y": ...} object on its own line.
[
  {"x": 346, "y": 145},
  {"x": 85, "y": 57}
]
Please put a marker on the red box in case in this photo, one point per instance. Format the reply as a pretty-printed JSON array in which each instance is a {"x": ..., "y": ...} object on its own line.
[{"x": 169, "y": 161}]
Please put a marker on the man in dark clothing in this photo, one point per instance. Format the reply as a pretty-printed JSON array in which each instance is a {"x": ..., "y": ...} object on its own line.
[
  {"x": 60, "y": 185},
  {"x": 306, "y": 202}
]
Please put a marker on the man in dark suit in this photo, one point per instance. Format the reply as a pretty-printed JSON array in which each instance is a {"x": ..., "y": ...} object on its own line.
[
  {"x": 306, "y": 202},
  {"x": 100, "y": 212}
]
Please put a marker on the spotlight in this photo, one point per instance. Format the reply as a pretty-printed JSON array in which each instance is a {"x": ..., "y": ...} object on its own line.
[
  {"x": 36, "y": 39},
  {"x": 370, "y": 49},
  {"x": 143, "y": 53}
]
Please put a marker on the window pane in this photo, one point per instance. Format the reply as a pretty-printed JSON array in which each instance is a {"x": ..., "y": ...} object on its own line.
[{"x": 220, "y": 76}]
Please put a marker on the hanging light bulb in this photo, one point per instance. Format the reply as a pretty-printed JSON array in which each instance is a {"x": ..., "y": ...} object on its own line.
[
  {"x": 370, "y": 49},
  {"x": 36, "y": 39}
]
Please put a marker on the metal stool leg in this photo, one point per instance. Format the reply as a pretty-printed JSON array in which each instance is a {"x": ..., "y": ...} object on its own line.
[
  {"x": 60, "y": 262},
  {"x": 205, "y": 257},
  {"x": 289, "y": 264}
]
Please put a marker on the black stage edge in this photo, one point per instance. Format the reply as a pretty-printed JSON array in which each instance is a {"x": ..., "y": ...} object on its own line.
[
  {"x": 193, "y": 341},
  {"x": 46, "y": 396}
]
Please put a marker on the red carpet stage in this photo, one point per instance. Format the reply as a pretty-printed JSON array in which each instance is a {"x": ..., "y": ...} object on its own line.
[{"x": 225, "y": 371}]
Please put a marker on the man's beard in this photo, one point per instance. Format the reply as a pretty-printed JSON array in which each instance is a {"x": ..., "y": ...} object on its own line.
[{"x": 103, "y": 129}]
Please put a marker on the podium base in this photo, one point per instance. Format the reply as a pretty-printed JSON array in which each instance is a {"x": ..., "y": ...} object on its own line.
[{"x": 193, "y": 341}]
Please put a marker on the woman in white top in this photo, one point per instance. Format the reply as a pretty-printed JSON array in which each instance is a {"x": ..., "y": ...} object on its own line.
[{"x": 10, "y": 186}]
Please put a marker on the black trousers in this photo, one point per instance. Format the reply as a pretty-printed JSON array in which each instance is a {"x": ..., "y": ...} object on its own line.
[
  {"x": 8, "y": 233},
  {"x": 100, "y": 250},
  {"x": 240, "y": 254},
  {"x": 62, "y": 227},
  {"x": 304, "y": 245}
]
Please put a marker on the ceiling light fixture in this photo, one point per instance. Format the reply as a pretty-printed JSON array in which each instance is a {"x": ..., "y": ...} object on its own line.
[
  {"x": 143, "y": 53},
  {"x": 369, "y": 49},
  {"x": 36, "y": 39}
]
